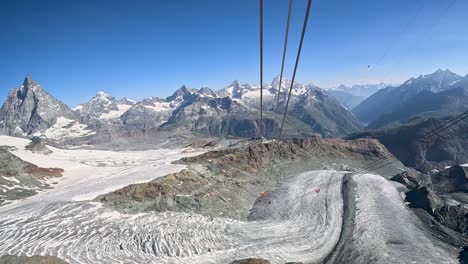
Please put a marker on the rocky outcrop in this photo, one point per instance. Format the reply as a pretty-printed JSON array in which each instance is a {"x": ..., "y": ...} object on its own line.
[
  {"x": 429, "y": 196},
  {"x": 453, "y": 179},
  {"x": 30, "y": 108},
  {"x": 227, "y": 182},
  {"x": 37, "y": 145},
  {"x": 409, "y": 179},
  {"x": 251, "y": 261},
  {"x": 20, "y": 179},
  {"x": 10, "y": 259}
]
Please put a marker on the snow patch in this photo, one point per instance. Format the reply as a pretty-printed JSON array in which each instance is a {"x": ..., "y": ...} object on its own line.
[
  {"x": 159, "y": 106},
  {"x": 65, "y": 128},
  {"x": 122, "y": 108},
  {"x": 78, "y": 108}
]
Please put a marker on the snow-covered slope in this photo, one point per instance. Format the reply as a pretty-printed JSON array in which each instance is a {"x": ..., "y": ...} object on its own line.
[{"x": 103, "y": 106}]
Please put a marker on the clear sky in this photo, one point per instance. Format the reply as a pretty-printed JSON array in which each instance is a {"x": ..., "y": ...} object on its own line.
[{"x": 150, "y": 48}]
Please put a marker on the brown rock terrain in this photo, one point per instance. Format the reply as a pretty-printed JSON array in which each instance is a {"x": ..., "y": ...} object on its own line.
[
  {"x": 9, "y": 259},
  {"x": 227, "y": 182}
]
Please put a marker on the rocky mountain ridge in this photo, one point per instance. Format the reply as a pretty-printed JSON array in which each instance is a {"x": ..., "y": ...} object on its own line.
[
  {"x": 231, "y": 111},
  {"x": 386, "y": 100}
]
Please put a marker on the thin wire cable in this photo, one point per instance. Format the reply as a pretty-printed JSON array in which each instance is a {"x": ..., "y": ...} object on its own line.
[
  {"x": 309, "y": 3},
  {"x": 403, "y": 32},
  {"x": 451, "y": 122},
  {"x": 282, "y": 64},
  {"x": 261, "y": 68},
  {"x": 425, "y": 39},
  {"x": 391, "y": 156}
]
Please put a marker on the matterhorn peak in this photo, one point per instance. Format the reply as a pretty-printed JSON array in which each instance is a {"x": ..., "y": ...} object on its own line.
[
  {"x": 234, "y": 83},
  {"x": 29, "y": 82},
  {"x": 275, "y": 82}
]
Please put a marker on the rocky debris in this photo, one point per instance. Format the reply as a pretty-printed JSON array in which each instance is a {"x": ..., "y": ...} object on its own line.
[
  {"x": 10, "y": 259},
  {"x": 227, "y": 182},
  {"x": 454, "y": 217},
  {"x": 37, "y": 145},
  {"x": 251, "y": 261},
  {"x": 453, "y": 179},
  {"x": 20, "y": 179},
  {"x": 29, "y": 109},
  {"x": 409, "y": 179},
  {"x": 424, "y": 198}
]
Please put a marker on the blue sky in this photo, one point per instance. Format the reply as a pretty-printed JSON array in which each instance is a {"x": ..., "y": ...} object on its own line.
[{"x": 150, "y": 48}]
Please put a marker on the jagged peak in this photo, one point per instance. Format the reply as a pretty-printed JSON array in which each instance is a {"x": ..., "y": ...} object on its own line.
[
  {"x": 276, "y": 80},
  {"x": 234, "y": 83},
  {"x": 181, "y": 92},
  {"x": 29, "y": 82},
  {"x": 102, "y": 94},
  {"x": 446, "y": 72},
  {"x": 128, "y": 101}
]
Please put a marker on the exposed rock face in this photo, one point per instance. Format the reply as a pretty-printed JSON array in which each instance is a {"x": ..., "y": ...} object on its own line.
[
  {"x": 408, "y": 179},
  {"x": 30, "y": 108},
  {"x": 227, "y": 182},
  {"x": 37, "y": 145},
  {"x": 404, "y": 142},
  {"x": 429, "y": 196},
  {"x": 20, "y": 179},
  {"x": 424, "y": 198},
  {"x": 234, "y": 111},
  {"x": 9, "y": 259},
  {"x": 454, "y": 217},
  {"x": 453, "y": 179},
  {"x": 103, "y": 106},
  {"x": 251, "y": 261}
]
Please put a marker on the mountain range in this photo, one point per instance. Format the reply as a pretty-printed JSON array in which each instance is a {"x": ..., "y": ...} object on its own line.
[
  {"x": 431, "y": 92},
  {"x": 232, "y": 111},
  {"x": 351, "y": 96}
]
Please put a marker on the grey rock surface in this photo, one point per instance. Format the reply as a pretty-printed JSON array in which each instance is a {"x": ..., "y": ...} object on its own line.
[{"x": 30, "y": 108}]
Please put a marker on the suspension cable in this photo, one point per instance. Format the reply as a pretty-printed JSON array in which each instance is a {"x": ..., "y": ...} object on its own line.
[
  {"x": 295, "y": 66},
  {"x": 282, "y": 64},
  {"x": 261, "y": 68}
]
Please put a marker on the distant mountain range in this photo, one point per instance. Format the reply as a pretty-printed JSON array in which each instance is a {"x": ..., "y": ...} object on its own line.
[
  {"x": 351, "y": 96},
  {"x": 440, "y": 93},
  {"x": 232, "y": 111}
]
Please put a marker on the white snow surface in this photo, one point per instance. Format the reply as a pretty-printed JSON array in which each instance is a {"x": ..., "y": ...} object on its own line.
[
  {"x": 304, "y": 225},
  {"x": 65, "y": 128},
  {"x": 77, "y": 108},
  {"x": 386, "y": 231},
  {"x": 113, "y": 114},
  {"x": 160, "y": 106}
]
